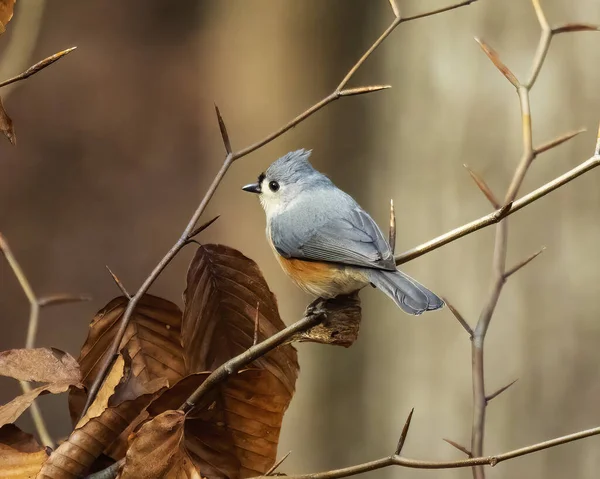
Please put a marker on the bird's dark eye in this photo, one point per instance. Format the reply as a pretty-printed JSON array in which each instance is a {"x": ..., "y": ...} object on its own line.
[{"x": 273, "y": 186}]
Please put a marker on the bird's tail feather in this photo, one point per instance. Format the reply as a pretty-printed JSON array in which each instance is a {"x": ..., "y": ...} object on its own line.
[{"x": 408, "y": 294}]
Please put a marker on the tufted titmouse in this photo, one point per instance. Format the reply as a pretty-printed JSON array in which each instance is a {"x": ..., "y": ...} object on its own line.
[{"x": 325, "y": 241}]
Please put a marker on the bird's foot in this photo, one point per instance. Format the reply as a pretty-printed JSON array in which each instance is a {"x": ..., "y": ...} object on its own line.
[{"x": 317, "y": 307}]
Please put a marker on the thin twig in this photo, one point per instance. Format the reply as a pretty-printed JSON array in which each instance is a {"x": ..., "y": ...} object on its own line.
[
  {"x": 400, "y": 461},
  {"x": 489, "y": 397},
  {"x": 404, "y": 432},
  {"x": 274, "y": 467},
  {"x": 118, "y": 282},
  {"x": 525, "y": 262},
  {"x": 229, "y": 159},
  {"x": 256, "y": 325},
  {"x": 34, "y": 312},
  {"x": 392, "y": 233},
  {"x": 58, "y": 299},
  {"x": 458, "y": 446}
]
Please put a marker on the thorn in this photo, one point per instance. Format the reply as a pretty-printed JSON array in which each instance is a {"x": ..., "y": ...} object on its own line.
[
  {"x": 202, "y": 227},
  {"x": 277, "y": 464},
  {"x": 363, "y": 89},
  {"x": 460, "y": 319},
  {"x": 395, "y": 8},
  {"x": 392, "y": 234},
  {"x": 482, "y": 185},
  {"x": 32, "y": 70},
  {"x": 500, "y": 391},
  {"x": 558, "y": 141},
  {"x": 575, "y": 27},
  {"x": 493, "y": 56},
  {"x": 223, "y": 129},
  {"x": 597, "y": 150},
  {"x": 459, "y": 447},
  {"x": 255, "y": 341},
  {"x": 57, "y": 299},
  {"x": 118, "y": 283},
  {"x": 523, "y": 263},
  {"x": 404, "y": 433}
]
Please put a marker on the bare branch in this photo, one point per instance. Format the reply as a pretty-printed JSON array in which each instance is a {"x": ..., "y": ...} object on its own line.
[
  {"x": 228, "y": 161},
  {"x": 420, "y": 464},
  {"x": 489, "y": 397},
  {"x": 558, "y": 141},
  {"x": 493, "y": 217},
  {"x": 523, "y": 263},
  {"x": 495, "y": 58},
  {"x": 223, "y": 129},
  {"x": 482, "y": 185},
  {"x": 57, "y": 299},
  {"x": 460, "y": 318},
  {"x": 392, "y": 233},
  {"x": 32, "y": 70},
  {"x": 404, "y": 432},
  {"x": 34, "y": 313},
  {"x": 462, "y": 449},
  {"x": 277, "y": 464},
  {"x": 120, "y": 285}
]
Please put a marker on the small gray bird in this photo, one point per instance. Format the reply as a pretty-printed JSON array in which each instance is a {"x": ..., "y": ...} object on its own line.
[{"x": 325, "y": 241}]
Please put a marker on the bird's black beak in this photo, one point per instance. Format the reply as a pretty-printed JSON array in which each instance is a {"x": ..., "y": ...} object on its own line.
[{"x": 252, "y": 188}]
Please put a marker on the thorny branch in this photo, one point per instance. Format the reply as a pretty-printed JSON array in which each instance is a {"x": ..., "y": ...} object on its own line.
[
  {"x": 35, "y": 304},
  {"x": 398, "y": 460},
  {"x": 231, "y": 156}
]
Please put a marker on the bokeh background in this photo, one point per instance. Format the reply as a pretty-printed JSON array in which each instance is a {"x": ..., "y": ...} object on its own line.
[{"x": 118, "y": 142}]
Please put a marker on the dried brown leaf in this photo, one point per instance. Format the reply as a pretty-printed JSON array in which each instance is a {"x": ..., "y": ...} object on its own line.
[
  {"x": 41, "y": 364},
  {"x": 152, "y": 340},
  {"x": 21, "y": 457},
  {"x": 11, "y": 411},
  {"x": 242, "y": 425},
  {"x": 6, "y": 124},
  {"x": 158, "y": 451},
  {"x": 120, "y": 401},
  {"x": 6, "y": 13}
]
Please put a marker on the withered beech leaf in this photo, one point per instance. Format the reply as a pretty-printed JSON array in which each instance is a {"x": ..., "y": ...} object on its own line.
[
  {"x": 21, "y": 457},
  {"x": 158, "y": 451},
  {"x": 6, "y": 124},
  {"x": 11, "y": 411},
  {"x": 6, "y": 13},
  {"x": 118, "y": 404},
  {"x": 239, "y": 430},
  {"x": 223, "y": 290},
  {"x": 41, "y": 364},
  {"x": 152, "y": 340}
]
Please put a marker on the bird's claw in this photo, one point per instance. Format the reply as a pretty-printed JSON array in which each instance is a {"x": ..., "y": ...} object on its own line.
[{"x": 317, "y": 307}]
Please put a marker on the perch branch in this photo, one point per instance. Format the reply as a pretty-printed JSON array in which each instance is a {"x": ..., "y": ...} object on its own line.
[
  {"x": 229, "y": 159},
  {"x": 34, "y": 314}
]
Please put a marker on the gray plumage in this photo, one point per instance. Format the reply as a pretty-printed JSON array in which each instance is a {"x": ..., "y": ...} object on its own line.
[{"x": 309, "y": 218}]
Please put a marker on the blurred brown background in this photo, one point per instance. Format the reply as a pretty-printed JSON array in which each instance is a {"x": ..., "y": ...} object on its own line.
[{"x": 118, "y": 142}]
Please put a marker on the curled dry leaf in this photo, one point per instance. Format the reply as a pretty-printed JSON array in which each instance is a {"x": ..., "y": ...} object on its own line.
[
  {"x": 240, "y": 429},
  {"x": 6, "y": 13},
  {"x": 41, "y": 365},
  {"x": 158, "y": 451},
  {"x": 21, "y": 457},
  {"x": 119, "y": 402},
  {"x": 152, "y": 340},
  {"x": 11, "y": 411},
  {"x": 6, "y": 124}
]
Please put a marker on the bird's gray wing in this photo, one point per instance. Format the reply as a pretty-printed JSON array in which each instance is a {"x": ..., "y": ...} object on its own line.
[{"x": 344, "y": 233}]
